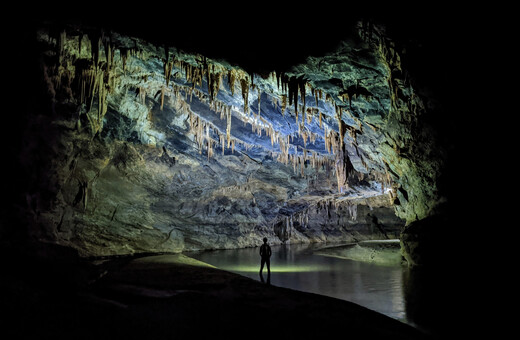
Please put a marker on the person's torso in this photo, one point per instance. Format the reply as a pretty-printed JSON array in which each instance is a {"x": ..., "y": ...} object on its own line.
[{"x": 265, "y": 250}]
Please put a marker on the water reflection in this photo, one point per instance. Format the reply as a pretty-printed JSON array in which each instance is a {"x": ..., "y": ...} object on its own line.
[{"x": 379, "y": 288}]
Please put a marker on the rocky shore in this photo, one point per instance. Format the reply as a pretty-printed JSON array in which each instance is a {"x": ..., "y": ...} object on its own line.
[{"x": 380, "y": 252}]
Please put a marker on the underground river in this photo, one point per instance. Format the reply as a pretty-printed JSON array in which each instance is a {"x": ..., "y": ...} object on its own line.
[{"x": 377, "y": 287}]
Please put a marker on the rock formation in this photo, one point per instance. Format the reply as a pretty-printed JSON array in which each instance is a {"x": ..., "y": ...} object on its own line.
[{"x": 146, "y": 147}]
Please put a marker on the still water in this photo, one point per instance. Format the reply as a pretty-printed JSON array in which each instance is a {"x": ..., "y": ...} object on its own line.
[{"x": 376, "y": 287}]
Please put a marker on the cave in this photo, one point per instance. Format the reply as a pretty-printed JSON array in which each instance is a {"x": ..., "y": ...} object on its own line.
[{"x": 138, "y": 139}]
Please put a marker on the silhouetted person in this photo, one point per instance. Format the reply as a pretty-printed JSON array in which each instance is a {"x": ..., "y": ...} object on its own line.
[{"x": 265, "y": 254}]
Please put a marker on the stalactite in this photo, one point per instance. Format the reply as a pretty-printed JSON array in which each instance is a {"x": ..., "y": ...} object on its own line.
[
  {"x": 125, "y": 54},
  {"x": 244, "y": 83},
  {"x": 327, "y": 138},
  {"x": 222, "y": 142},
  {"x": 162, "y": 98},
  {"x": 259, "y": 97},
  {"x": 309, "y": 115},
  {"x": 168, "y": 67},
  {"x": 293, "y": 94},
  {"x": 142, "y": 94},
  {"x": 284, "y": 104},
  {"x": 342, "y": 129},
  {"x": 302, "y": 86},
  {"x": 228, "y": 127},
  {"x": 352, "y": 211},
  {"x": 215, "y": 80},
  {"x": 231, "y": 81},
  {"x": 301, "y": 159},
  {"x": 352, "y": 132}
]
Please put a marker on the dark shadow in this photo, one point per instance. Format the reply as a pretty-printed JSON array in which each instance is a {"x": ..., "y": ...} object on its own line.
[{"x": 435, "y": 303}]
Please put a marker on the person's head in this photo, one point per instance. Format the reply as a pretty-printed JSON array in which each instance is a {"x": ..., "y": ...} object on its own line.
[{"x": 265, "y": 239}]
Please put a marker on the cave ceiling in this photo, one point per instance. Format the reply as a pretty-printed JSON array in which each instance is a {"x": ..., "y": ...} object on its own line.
[{"x": 257, "y": 98}]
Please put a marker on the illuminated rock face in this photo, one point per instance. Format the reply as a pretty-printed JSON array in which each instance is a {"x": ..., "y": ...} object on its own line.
[{"x": 154, "y": 149}]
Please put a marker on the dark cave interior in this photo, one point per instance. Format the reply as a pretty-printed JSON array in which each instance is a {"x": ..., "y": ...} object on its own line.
[{"x": 410, "y": 144}]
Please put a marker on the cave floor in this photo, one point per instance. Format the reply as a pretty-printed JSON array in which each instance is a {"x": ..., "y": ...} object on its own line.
[{"x": 170, "y": 296}]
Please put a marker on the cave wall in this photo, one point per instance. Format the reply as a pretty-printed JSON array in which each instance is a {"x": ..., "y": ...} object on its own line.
[
  {"x": 124, "y": 171},
  {"x": 110, "y": 197},
  {"x": 114, "y": 157},
  {"x": 115, "y": 196},
  {"x": 412, "y": 148}
]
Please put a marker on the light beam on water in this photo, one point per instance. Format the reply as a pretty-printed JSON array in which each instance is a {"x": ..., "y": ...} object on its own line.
[{"x": 376, "y": 287}]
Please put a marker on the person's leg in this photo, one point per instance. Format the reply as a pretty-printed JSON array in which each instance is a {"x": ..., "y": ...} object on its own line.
[
  {"x": 261, "y": 269},
  {"x": 268, "y": 263},
  {"x": 262, "y": 263}
]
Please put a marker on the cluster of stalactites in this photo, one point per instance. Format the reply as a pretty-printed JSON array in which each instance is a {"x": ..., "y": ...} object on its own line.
[
  {"x": 85, "y": 76},
  {"x": 204, "y": 130},
  {"x": 213, "y": 74},
  {"x": 334, "y": 141},
  {"x": 300, "y": 161},
  {"x": 293, "y": 88},
  {"x": 201, "y": 129},
  {"x": 97, "y": 79},
  {"x": 330, "y": 204},
  {"x": 246, "y": 188},
  {"x": 302, "y": 217}
]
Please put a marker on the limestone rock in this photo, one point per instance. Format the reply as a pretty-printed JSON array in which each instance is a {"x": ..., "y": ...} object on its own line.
[{"x": 149, "y": 148}]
